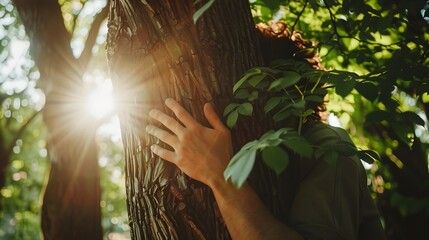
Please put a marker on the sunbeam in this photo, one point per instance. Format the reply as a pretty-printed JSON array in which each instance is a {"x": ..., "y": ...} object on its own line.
[{"x": 100, "y": 102}]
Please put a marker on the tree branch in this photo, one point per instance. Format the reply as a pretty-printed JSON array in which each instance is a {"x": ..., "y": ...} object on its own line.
[
  {"x": 334, "y": 24},
  {"x": 76, "y": 17},
  {"x": 299, "y": 15},
  {"x": 92, "y": 36}
]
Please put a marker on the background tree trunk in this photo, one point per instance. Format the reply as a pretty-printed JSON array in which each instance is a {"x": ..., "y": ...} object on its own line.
[
  {"x": 71, "y": 201},
  {"x": 155, "y": 51}
]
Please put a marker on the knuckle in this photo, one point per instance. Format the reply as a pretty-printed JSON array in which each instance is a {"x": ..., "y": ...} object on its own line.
[
  {"x": 180, "y": 114},
  {"x": 187, "y": 137},
  {"x": 181, "y": 151},
  {"x": 170, "y": 121},
  {"x": 162, "y": 135}
]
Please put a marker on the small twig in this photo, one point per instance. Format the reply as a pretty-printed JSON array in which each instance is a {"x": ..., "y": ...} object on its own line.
[
  {"x": 334, "y": 24},
  {"x": 299, "y": 15},
  {"x": 372, "y": 43}
]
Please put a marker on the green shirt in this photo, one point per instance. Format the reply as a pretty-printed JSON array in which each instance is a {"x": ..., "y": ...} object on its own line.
[{"x": 332, "y": 199}]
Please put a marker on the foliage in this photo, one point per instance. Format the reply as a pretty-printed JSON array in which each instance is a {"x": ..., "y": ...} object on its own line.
[
  {"x": 383, "y": 47},
  {"x": 23, "y": 132},
  {"x": 20, "y": 213},
  {"x": 201, "y": 10},
  {"x": 111, "y": 160},
  {"x": 288, "y": 89}
]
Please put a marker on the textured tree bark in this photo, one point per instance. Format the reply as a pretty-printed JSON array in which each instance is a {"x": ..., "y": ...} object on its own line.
[
  {"x": 71, "y": 201},
  {"x": 155, "y": 51}
]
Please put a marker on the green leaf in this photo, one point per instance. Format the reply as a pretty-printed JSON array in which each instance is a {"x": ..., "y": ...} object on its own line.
[
  {"x": 276, "y": 134},
  {"x": 307, "y": 112},
  {"x": 253, "y": 95},
  {"x": 229, "y": 108},
  {"x": 404, "y": 131},
  {"x": 272, "y": 103},
  {"x": 242, "y": 94},
  {"x": 344, "y": 147},
  {"x": 313, "y": 75},
  {"x": 256, "y": 79},
  {"x": 240, "y": 167},
  {"x": 240, "y": 82},
  {"x": 368, "y": 156},
  {"x": 379, "y": 116},
  {"x": 384, "y": 22},
  {"x": 268, "y": 135},
  {"x": 289, "y": 78},
  {"x": 200, "y": 11},
  {"x": 314, "y": 98},
  {"x": 243, "y": 79},
  {"x": 320, "y": 135},
  {"x": 337, "y": 76},
  {"x": 272, "y": 4},
  {"x": 366, "y": 35},
  {"x": 343, "y": 88},
  {"x": 414, "y": 118},
  {"x": 276, "y": 158},
  {"x": 300, "y": 145},
  {"x": 368, "y": 90},
  {"x": 245, "y": 109},
  {"x": 271, "y": 71},
  {"x": 314, "y": 4},
  {"x": 232, "y": 119},
  {"x": 250, "y": 145},
  {"x": 299, "y": 105},
  {"x": 320, "y": 91},
  {"x": 286, "y": 63},
  {"x": 282, "y": 115}
]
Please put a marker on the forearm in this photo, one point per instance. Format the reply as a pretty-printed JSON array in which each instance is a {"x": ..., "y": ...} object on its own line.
[{"x": 246, "y": 216}]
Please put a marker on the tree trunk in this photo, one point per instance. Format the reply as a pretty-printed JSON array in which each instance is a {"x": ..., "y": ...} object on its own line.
[
  {"x": 71, "y": 201},
  {"x": 155, "y": 51}
]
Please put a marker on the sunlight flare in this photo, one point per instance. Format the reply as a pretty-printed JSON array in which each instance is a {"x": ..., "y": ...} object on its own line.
[{"x": 100, "y": 102}]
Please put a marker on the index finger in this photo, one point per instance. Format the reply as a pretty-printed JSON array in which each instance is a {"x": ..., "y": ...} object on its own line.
[{"x": 181, "y": 113}]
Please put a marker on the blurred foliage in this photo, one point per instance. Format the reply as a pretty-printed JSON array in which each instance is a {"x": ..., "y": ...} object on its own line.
[
  {"x": 111, "y": 160},
  {"x": 21, "y": 100},
  {"x": 22, "y": 152},
  {"x": 386, "y": 44}
]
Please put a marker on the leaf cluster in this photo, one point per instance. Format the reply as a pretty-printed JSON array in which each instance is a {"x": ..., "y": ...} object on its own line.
[{"x": 288, "y": 90}]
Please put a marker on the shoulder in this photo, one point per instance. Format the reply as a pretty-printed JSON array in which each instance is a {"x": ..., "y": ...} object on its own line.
[{"x": 321, "y": 132}]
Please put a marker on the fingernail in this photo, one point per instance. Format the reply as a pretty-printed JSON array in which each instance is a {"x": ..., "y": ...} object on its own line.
[
  {"x": 152, "y": 112},
  {"x": 147, "y": 128},
  {"x": 168, "y": 101}
]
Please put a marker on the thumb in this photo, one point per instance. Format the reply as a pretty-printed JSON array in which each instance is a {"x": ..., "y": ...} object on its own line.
[{"x": 212, "y": 117}]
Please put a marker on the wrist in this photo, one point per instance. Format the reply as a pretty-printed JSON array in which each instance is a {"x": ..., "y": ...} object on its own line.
[{"x": 216, "y": 182}]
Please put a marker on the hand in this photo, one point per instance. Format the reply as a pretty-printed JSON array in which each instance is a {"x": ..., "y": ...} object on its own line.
[{"x": 200, "y": 152}]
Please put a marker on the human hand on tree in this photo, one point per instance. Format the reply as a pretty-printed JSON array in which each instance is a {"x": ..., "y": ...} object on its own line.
[
  {"x": 200, "y": 152},
  {"x": 203, "y": 154}
]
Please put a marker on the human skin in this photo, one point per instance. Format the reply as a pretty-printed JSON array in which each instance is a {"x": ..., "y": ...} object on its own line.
[{"x": 203, "y": 154}]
